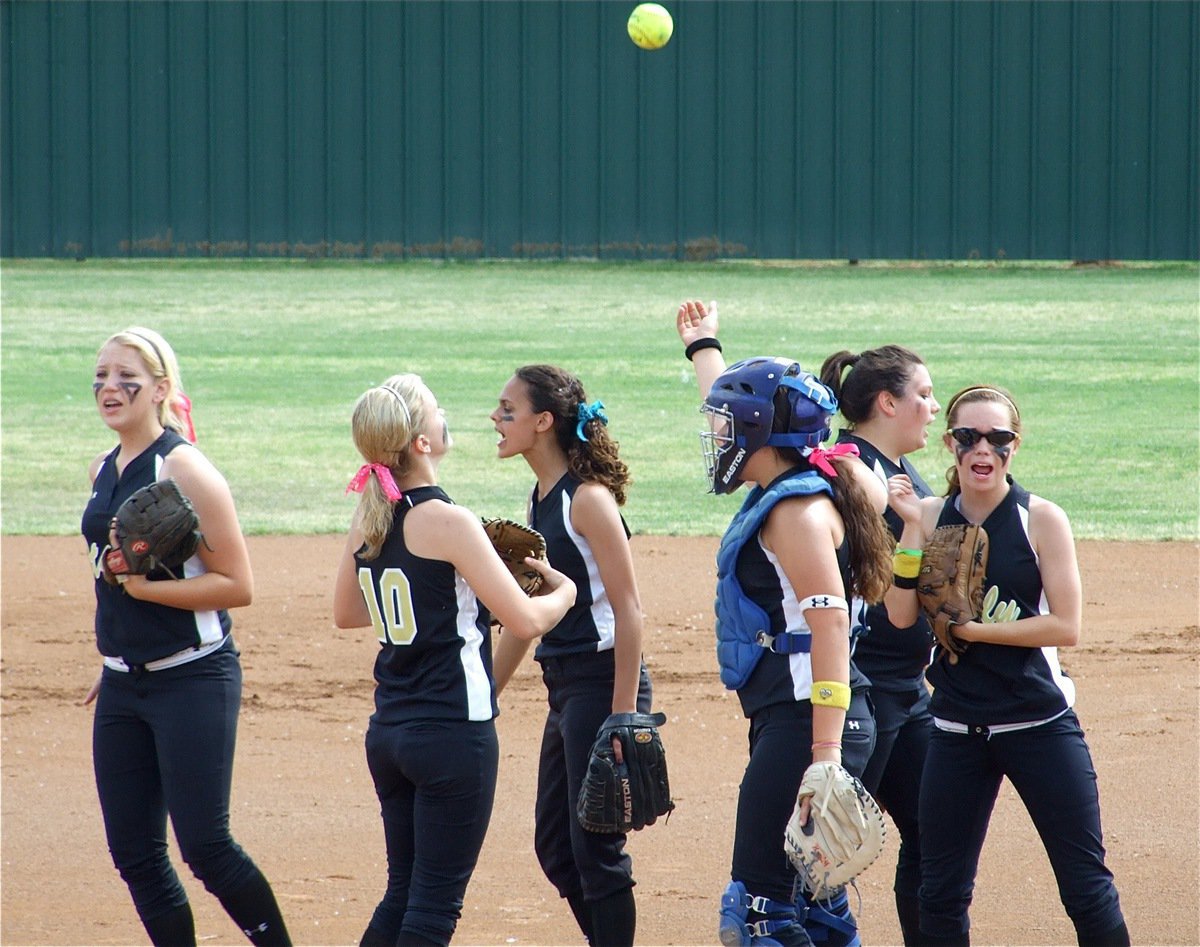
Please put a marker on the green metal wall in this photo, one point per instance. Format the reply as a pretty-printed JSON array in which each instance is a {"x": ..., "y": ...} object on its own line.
[{"x": 532, "y": 128}]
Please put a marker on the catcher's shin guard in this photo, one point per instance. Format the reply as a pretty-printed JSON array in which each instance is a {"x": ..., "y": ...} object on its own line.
[
  {"x": 829, "y": 923},
  {"x": 750, "y": 921}
]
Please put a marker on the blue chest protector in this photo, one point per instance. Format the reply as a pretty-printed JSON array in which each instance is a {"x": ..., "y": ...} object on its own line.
[{"x": 742, "y": 626}]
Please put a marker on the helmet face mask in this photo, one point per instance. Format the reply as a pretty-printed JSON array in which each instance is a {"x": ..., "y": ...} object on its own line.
[
  {"x": 717, "y": 444},
  {"x": 741, "y": 411}
]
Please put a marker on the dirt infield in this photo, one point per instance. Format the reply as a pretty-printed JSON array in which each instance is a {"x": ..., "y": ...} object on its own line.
[{"x": 305, "y": 809}]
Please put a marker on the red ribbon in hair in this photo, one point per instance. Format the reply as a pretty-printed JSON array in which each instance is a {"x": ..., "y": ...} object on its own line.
[
  {"x": 386, "y": 481},
  {"x": 183, "y": 408},
  {"x": 820, "y": 458}
]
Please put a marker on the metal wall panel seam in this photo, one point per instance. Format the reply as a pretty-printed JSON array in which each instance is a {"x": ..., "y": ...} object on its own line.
[
  {"x": 1073, "y": 137},
  {"x": 836, "y": 138},
  {"x": 680, "y": 134},
  {"x": 1110, "y": 244},
  {"x": 522, "y": 118},
  {"x": 1194, "y": 133},
  {"x": 485, "y": 170},
  {"x": 51, "y": 198},
  {"x": 878, "y": 175},
  {"x": 209, "y": 134},
  {"x": 760, "y": 106},
  {"x": 915, "y": 148},
  {"x": 993, "y": 131},
  {"x": 563, "y": 118},
  {"x": 1034, "y": 126},
  {"x": 872, "y": 245},
  {"x": 326, "y": 241},
  {"x": 289, "y": 197},
  {"x": 955, "y": 83}
]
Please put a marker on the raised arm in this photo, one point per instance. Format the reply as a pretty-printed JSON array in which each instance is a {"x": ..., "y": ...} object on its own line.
[{"x": 696, "y": 323}]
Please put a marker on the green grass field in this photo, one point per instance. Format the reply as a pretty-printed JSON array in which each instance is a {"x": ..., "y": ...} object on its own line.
[{"x": 1103, "y": 363}]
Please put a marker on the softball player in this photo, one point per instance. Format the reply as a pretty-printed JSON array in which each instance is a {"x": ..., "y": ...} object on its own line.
[
  {"x": 886, "y": 395},
  {"x": 1004, "y": 708},
  {"x": 419, "y": 570},
  {"x": 167, "y": 699},
  {"x": 592, "y": 660},
  {"x": 808, "y": 536}
]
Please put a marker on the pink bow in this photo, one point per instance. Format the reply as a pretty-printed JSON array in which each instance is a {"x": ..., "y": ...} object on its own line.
[
  {"x": 819, "y": 457},
  {"x": 386, "y": 481},
  {"x": 183, "y": 407}
]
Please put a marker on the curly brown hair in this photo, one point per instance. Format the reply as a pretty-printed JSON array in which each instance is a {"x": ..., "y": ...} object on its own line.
[{"x": 594, "y": 460}]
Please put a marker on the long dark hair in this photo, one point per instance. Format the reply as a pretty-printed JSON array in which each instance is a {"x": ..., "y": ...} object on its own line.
[
  {"x": 594, "y": 460},
  {"x": 887, "y": 368},
  {"x": 868, "y": 538}
]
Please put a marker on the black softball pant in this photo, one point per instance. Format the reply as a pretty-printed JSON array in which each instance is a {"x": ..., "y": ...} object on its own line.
[
  {"x": 163, "y": 744},
  {"x": 903, "y": 725},
  {"x": 577, "y": 862},
  {"x": 780, "y": 752},
  {"x": 436, "y": 782},
  {"x": 1051, "y": 769}
]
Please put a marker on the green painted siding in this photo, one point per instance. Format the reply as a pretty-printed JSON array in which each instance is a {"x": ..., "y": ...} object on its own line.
[{"x": 534, "y": 128}]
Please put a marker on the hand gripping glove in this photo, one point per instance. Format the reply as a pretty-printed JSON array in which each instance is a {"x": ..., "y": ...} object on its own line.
[
  {"x": 950, "y": 583},
  {"x": 155, "y": 528},
  {"x": 620, "y": 797},
  {"x": 514, "y": 541},
  {"x": 843, "y": 835}
]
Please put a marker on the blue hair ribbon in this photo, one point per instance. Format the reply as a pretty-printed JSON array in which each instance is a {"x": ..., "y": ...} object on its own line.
[{"x": 589, "y": 412}]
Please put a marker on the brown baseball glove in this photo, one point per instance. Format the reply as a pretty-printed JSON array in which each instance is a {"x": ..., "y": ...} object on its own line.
[
  {"x": 950, "y": 584},
  {"x": 514, "y": 541},
  {"x": 156, "y": 528}
]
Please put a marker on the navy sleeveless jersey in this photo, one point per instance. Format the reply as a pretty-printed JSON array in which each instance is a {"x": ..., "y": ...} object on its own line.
[
  {"x": 435, "y": 653},
  {"x": 128, "y": 628},
  {"x": 893, "y": 658},
  {"x": 996, "y": 684},
  {"x": 589, "y": 624},
  {"x": 779, "y": 678}
]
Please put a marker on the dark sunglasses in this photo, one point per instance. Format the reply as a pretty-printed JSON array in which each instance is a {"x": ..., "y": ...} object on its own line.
[{"x": 969, "y": 437}]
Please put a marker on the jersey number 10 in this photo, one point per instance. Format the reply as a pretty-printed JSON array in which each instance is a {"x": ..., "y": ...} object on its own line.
[{"x": 391, "y": 610}]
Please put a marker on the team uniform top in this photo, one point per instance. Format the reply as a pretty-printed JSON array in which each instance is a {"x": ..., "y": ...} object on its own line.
[
  {"x": 589, "y": 624},
  {"x": 435, "y": 654},
  {"x": 893, "y": 658},
  {"x": 779, "y": 678},
  {"x": 994, "y": 684},
  {"x": 129, "y": 629}
]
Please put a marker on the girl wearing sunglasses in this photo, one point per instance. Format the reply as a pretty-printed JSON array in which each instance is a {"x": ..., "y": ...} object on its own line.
[
  {"x": 1004, "y": 709},
  {"x": 886, "y": 396}
]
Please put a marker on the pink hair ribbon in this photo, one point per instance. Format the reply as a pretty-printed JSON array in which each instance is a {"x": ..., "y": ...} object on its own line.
[
  {"x": 820, "y": 458},
  {"x": 386, "y": 481},
  {"x": 183, "y": 407}
]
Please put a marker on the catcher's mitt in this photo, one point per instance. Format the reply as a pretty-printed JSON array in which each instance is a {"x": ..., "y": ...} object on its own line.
[
  {"x": 627, "y": 796},
  {"x": 514, "y": 541},
  {"x": 950, "y": 584},
  {"x": 156, "y": 528},
  {"x": 843, "y": 835}
]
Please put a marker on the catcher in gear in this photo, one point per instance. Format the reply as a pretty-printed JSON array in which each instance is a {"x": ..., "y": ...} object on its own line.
[
  {"x": 168, "y": 697},
  {"x": 791, "y": 555},
  {"x": 626, "y": 787},
  {"x": 1004, "y": 708},
  {"x": 591, "y": 663}
]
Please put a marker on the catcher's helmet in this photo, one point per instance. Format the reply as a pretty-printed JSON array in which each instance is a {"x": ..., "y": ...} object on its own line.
[{"x": 761, "y": 402}]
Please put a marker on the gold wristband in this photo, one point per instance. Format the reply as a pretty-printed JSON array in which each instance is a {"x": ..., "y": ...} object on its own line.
[
  {"x": 905, "y": 564},
  {"x": 830, "y": 694}
]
